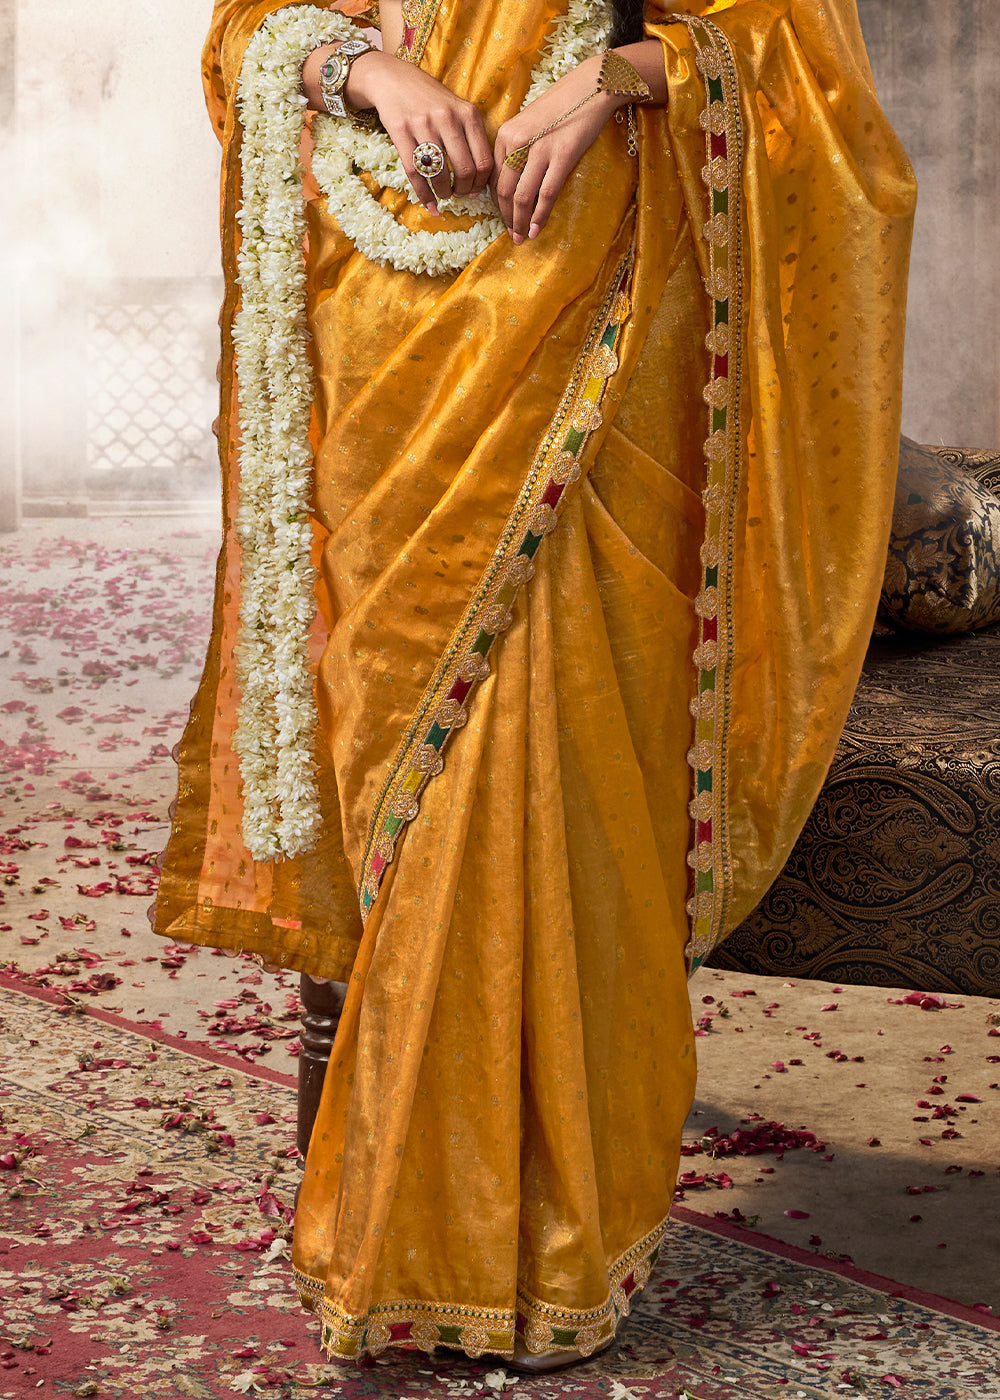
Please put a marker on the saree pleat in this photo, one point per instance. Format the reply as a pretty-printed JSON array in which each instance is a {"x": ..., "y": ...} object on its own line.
[{"x": 562, "y": 640}]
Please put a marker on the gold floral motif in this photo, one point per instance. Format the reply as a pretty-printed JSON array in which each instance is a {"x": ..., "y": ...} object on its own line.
[
  {"x": 713, "y": 118},
  {"x": 703, "y": 705},
  {"x": 716, "y": 173},
  {"x": 701, "y": 905},
  {"x": 427, "y": 759},
  {"x": 717, "y": 340},
  {"x": 542, "y": 519},
  {"x": 587, "y": 1339},
  {"x": 496, "y": 618},
  {"x": 717, "y": 284},
  {"x": 716, "y": 231},
  {"x": 642, "y": 1272},
  {"x": 700, "y": 858},
  {"x": 473, "y": 667},
  {"x": 716, "y": 393},
  {"x": 713, "y": 496},
  {"x": 707, "y": 602},
  {"x": 451, "y": 715},
  {"x": 474, "y": 1340},
  {"x": 519, "y": 570},
  {"x": 709, "y": 553},
  {"x": 715, "y": 451},
  {"x": 566, "y": 469},
  {"x": 371, "y": 885},
  {"x": 604, "y": 361},
  {"x": 425, "y": 1335},
  {"x": 701, "y": 755},
  {"x": 405, "y": 806},
  {"x": 377, "y": 1337},
  {"x": 620, "y": 308},
  {"x": 619, "y": 1299},
  {"x": 706, "y": 656},
  {"x": 700, "y": 807},
  {"x": 537, "y": 1335},
  {"x": 709, "y": 63},
  {"x": 586, "y": 417},
  {"x": 412, "y": 12},
  {"x": 385, "y": 845}
]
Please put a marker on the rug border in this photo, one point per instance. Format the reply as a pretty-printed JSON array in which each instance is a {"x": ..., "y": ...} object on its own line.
[
  {"x": 797, "y": 1255},
  {"x": 195, "y": 1048},
  {"x": 757, "y": 1239}
]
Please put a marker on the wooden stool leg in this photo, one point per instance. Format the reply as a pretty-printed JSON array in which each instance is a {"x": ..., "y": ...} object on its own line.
[{"x": 322, "y": 1003}]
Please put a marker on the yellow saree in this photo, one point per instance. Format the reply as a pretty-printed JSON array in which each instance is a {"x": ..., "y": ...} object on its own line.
[{"x": 600, "y": 523}]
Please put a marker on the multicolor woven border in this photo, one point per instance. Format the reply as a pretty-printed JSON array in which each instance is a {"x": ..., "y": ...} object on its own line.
[
  {"x": 722, "y": 175},
  {"x": 557, "y": 464},
  {"x": 418, "y": 21},
  {"x": 478, "y": 1331}
]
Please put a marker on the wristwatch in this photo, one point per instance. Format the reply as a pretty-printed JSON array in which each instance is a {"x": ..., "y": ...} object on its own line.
[{"x": 334, "y": 73}]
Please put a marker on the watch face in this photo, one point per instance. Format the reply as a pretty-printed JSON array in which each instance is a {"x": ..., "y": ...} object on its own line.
[
  {"x": 354, "y": 47},
  {"x": 334, "y": 72}
]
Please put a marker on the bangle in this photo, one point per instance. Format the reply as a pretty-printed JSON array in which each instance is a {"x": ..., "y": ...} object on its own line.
[
  {"x": 617, "y": 77},
  {"x": 334, "y": 73}
]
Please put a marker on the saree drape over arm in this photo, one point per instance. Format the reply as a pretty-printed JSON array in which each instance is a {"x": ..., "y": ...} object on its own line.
[{"x": 600, "y": 524}]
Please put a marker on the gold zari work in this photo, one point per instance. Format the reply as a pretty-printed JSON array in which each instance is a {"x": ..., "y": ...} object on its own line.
[{"x": 457, "y": 1180}]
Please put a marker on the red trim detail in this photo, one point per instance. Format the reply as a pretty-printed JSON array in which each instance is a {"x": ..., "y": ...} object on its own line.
[
  {"x": 719, "y": 146},
  {"x": 832, "y": 1266},
  {"x": 721, "y": 370},
  {"x": 552, "y": 494},
  {"x": 459, "y": 691},
  {"x": 710, "y": 629},
  {"x": 196, "y": 1048}
]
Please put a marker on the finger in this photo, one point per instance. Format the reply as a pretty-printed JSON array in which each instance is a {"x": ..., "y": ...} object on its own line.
[
  {"x": 463, "y": 166},
  {"x": 548, "y": 190},
  {"x": 504, "y": 190},
  {"x": 479, "y": 149},
  {"x": 526, "y": 195}
]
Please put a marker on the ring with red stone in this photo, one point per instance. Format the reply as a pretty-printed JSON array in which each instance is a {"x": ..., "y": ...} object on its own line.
[{"x": 428, "y": 159}]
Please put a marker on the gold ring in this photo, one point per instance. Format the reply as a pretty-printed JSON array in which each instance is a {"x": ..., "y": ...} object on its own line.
[
  {"x": 517, "y": 159},
  {"x": 428, "y": 159}
]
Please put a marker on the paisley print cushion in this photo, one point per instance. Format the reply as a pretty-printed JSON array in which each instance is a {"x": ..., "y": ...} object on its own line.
[{"x": 943, "y": 569}]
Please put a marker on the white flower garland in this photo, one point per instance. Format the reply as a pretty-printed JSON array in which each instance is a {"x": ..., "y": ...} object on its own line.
[
  {"x": 341, "y": 150},
  {"x": 278, "y": 717}
]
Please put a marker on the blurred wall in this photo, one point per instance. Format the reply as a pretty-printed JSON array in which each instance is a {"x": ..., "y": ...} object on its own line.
[
  {"x": 937, "y": 68},
  {"x": 116, "y": 247},
  {"x": 118, "y": 172}
]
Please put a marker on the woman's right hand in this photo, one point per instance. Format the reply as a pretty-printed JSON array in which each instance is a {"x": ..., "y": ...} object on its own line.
[{"x": 414, "y": 108}]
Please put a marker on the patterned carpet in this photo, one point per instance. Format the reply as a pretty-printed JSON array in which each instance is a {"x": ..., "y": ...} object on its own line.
[{"x": 143, "y": 1254}]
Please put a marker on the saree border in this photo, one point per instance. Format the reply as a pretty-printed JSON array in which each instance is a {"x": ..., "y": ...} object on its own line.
[
  {"x": 542, "y": 1326},
  {"x": 418, "y": 21},
  {"x": 554, "y": 467},
  {"x": 710, "y": 856}
]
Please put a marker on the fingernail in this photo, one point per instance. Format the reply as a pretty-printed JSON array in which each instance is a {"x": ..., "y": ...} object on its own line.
[
  {"x": 534, "y": 231},
  {"x": 518, "y": 238},
  {"x": 431, "y": 209}
]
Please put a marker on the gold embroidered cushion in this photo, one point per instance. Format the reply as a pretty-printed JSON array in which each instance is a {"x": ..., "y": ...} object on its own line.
[{"x": 943, "y": 569}]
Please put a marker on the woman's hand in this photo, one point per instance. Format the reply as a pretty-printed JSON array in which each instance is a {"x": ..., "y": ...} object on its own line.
[
  {"x": 414, "y": 108},
  {"x": 526, "y": 197}
]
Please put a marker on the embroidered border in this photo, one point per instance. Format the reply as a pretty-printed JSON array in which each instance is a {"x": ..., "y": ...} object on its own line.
[
  {"x": 556, "y": 465},
  {"x": 710, "y": 857},
  {"x": 418, "y": 21},
  {"x": 542, "y": 1327}
]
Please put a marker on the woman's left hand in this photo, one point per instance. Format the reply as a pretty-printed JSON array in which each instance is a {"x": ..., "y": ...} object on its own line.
[{"x": 526, "y": 197}]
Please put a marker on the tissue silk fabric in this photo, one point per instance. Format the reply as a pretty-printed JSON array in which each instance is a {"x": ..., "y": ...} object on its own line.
[{"x": 600, "y": 529}]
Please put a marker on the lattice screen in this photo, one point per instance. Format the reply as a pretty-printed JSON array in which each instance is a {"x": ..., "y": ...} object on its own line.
[{"x": 151, "y": 398}]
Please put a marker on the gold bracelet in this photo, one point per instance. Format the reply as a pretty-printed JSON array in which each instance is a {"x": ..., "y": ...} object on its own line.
[{"x": 618, "y": 78}]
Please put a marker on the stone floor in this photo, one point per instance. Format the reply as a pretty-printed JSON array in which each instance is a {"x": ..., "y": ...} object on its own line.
[{"x": 888, "y": 1145}]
